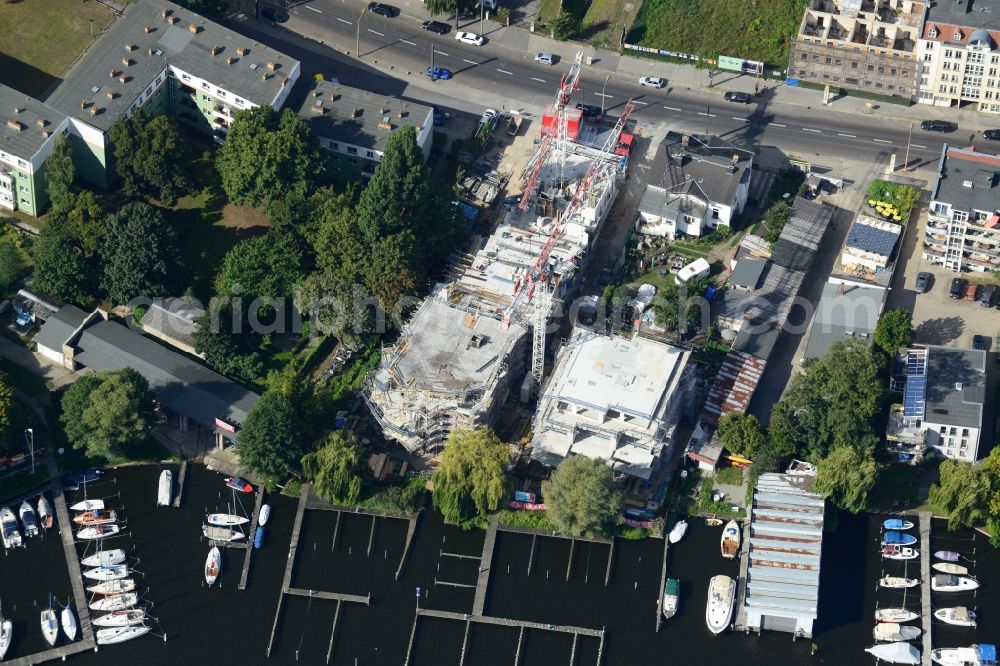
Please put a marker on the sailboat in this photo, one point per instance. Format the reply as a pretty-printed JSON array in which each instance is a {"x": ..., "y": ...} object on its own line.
[
  {"x": 898, "y": 582},
  {"x": 677, "y": 533},
  {"x": 950, "y": 568},
  {"x": 68, "y": 621},
  {"x": 120, "y": 634},
  {"x": 50, "y": 626},
  {"x": 212, "y": 565},
  {"x": 892, "y": 632},
  {"x": 8, "y": 529},
  {"x": 721, "y": 599},
  {"x": 104, "y": 558},
  {"x": 98, "y": 531},
  {"x": 671, "y": 595},
  {"x": 111, "y": 572},
  {"x": 6, "y": 633},
  {"x": 165, "y": 489},
  {"x": 226, "y": 519},
  {"x": 96, "y": 517},
  {"x": 895, "y": 615},
  {"x": 895, "y": 653},
  {"x": 29, "y": 519},
  {"x": 984, "y": 654},
  {"x": 88, "y": 505},
  {"x": 44, "y": 512},
  {"x": 730, "y": 544},
  {"x": 116, "y": 602},
  {"x": 960, "y": 616},
  {"x": 221, "y": 533},
  {"x": 112, "y": 588},
  {"x": 121, "y": 618}
]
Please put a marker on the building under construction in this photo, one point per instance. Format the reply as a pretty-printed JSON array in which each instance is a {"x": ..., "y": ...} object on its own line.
[{"x": 483, "y": 329}]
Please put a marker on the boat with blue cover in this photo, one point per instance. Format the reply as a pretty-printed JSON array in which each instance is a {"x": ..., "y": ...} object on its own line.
[
  {"x": 894, "y": 538},
  {"x": 897, "y": 524}
]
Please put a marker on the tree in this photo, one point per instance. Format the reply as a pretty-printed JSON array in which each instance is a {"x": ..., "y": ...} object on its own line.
[
  {"x": 894, "y": 330},
  {"x": 846, "y": 476},
  {"x": 962, "y": 493},
  {"x": 139, "y": 253},
  {"x": 775, "y": 219},
  {"x": 741, "y": 433},
  {"x": 60, "y": 176},
  {"x": 106, "y": 413},
  {"x": 564, "y": 25},
  {"x": 59, "y": 268},
  {"x": 75, "y": 399},
  {"x": 337, "y": 468},
  {"x": 86, "y": 220},
  {"x": 581, "y": 498},
  {"x": 471, "y": 479},
  {"x": 682, "y": 308},
  {"x": 268, "y": 266},
  {"x": 7, "y": 412},
  {"x": 150, "y": 156},
  {"x": 267, "y": 157},
  {"x": 227, "y": 345},
  {"x": 270, "y": 441},
  {"x": 11, "y": 266},
  {"x": 502, "y": 15}
]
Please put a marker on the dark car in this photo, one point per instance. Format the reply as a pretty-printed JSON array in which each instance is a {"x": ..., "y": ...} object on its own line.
[
  {"x": 274, "y": 14},
  {"x": 978, "y": 342},
  {"x": 383, "y": 9},
  {"x": 938, "y": 126},
  {"x": 436, "y": 26},
  {"x": 436, "y": 73},
  {"x": 988, "y": 295},
  {"x": 740, "y": 97},
  {"x": 957, "y": 288},
  {"x": 992, "y": 135},
  {"x": 923, "y": 283},
  {"x": 591, "y": 112}
]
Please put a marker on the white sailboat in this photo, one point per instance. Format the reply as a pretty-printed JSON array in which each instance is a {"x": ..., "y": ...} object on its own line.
[
  {"x": 120, "y": 634},
  {"x": 960, "y": 616},
  {"x": 226, "y": 519},
  {"x": 950, "y": 583},
  {"x": 8, "y": 529},
  {"x": 45, "y": 516},
  {"x": 121, "y": 618},
  {"x": 265, "y": 515},
  {"x": 165, "y": 489},
  {"x": 895, "y": 615},
  {"x": 88, "y": 505},
  {"x": 112, "y": 572},
  {"x": 6, "y": 633},
  {"x": 721, "y": 599},
  {"x": 112, "y": 587},
  {"x": 68, "y": 621},
  {"x": 50, "y": 625},
  {"x": 898, "y": 582},
  {"x": 677, "y": 533},
  {"x": 212, "y": 565},
  {"x": 104, "y": 558},
  {"x": 216, "y": 533},
  {"x": 950, "y": 568},
  {"x": 892, "y": 632},
  {"x": 114, "y": 603},
  {"x": 895, "y": 653}
]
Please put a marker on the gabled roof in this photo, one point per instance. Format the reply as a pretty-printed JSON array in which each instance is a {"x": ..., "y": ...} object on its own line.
[
  {"x": 671, "y": 206},
  {"x": 59, "y": 327},
  {"x": 705, "y": 166}
]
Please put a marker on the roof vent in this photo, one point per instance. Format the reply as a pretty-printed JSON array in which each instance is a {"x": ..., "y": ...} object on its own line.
[
  {"x": 123, "y": 78},
  {"x": 42, "y": 122},
  {"x": 84, "y": 103},
  {"x": 355, "y": 113},
  {"x": 130, "y": 47},
  {"x": 172, "y": 19},
  {"x": 94, "y": 110},
  {"x": 15, "y": 125},
  {"x": 47, "y": 133},
  {"x": 150, "y": 51},
  {"x": 958, "y": 386},
  {"x": 126, "y": 61},
  {"x": 216, "y": 49},
  {"x": 242, "y": 50},
  {"x": 148, "y": 29},
  {"x": 194, "y": 28},
  {"x": 264, "y": 76},
  {"x": 111, "y": 94},
  {"x": 967, "y": 183},
  {"x": 18, "y": 109},
  {"x": 271, "y": 65},
  {"x": 113, "y": 73},
  {"x": 230, "y": 60},
  {"x": 167, "y": 12}
]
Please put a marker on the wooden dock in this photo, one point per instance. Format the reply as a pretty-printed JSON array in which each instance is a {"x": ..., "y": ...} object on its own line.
[
  {"x": 293, "y": 546},
  {"x": 411, "y": 530},
  {"x": 663, "y": 584},
  {"x": 741, "y": 582},
  {"x": 485, "y": 564},
  {"x": 926, "y": 616},
  {"x": 549, "y": 533},
  {"x": 181, "y": 476},
  {"x": 506, "y": 622},
  {"x": 254, "y": 517},
  {"x": 331, "y": 596}
]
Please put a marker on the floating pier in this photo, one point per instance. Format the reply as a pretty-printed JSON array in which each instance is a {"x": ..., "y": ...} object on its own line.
[
  {"x": 663, "y": 584},
  {"x": 180, "y": 483},
  {"x": 741, "y": 582},
  {"x": 293, "y": 546},
  {"x": 411, "y": 529},
  {"x": 926, "y": 616},
  {"x": 485, "y": 563},
  {"x": 254, "y": 518}
]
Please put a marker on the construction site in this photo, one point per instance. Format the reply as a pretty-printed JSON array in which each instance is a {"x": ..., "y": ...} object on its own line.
[{"x": 482, "y": 331}]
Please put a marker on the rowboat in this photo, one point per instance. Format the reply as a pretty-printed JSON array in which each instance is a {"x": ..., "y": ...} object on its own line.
[
  {"x": 960, "y": 616},
  {"x": 895, "y": 653},
  {"x": 120, "y": 634},
  {"x": 265, "y": 515},
  {"x": 892, "y": 632},
  {"x": 221, "y": 533},
  {"x": 97, "y": 517},
  {"x": 897, "y": 524},
  {"x": 677, "y": 533},
  {"x": 226, "y": 519},
  {"x": 950, "y": 568},
  {"x": 898, "y": 582},
  {"x": 105, "y": 558},
  {"x": 258, "y": 538},
  {"x": 110, "y": 588},
  {"x": 98, "y": 532},
  {"x": 121, "y": 618},
  {"x": 948, "y": 555},
  {"x": 713, "y": 522},
  {"x": 236, "y": 483},
  {"x": 212, "y": 566},
  {"x": 895, "y": 615},
  {"x": 44, "y": 512},
  {"x": 116, "y": 602},
  {"x": 88, "y": 505},
  {"x": 950, "y": 583},
  {"x": 899, "y": 553},
  {"x": 68, "y": 621},
  {"x": 165, "y": 489},
  {"x": 111, "y": 572},
  {"x": 894, "y": 538}
]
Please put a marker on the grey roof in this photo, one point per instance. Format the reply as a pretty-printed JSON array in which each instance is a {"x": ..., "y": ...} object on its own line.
[
  {"x": 669, "y": 206},
  {"x": 26, "y": 123},
  {"x": 845, "y": 311},
  {"x": 757, "y": 339},
  {"x": 358, "y": 117},
  {"x": 59, "y": 327},
  {"x": 964, "y": 13},
  {"x": 156, "y": 42},
  {"x": 961, "y": 166},
  {"x": 174, "y": 318},
  {"x": 872, "y": 239},
  {"x": 955, "y": 386},
  {"x": 177, "y": 382},
  {"x": 748, "y": 273},
  {"x": 705, "y": 166}
]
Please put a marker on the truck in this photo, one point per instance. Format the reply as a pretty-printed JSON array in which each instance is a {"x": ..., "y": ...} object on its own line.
[{"x": 513, "y": 125}]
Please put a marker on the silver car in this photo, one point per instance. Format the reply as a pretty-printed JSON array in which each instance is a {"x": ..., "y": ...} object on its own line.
[
  {"x": 652, "y": 82},
  {"x": 545, "y": 58}
]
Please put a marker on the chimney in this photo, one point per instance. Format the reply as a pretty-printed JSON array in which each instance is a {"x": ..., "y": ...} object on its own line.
[
  {"x": 242, "y": 50},
  {"x": 148, "y": 29},
  {"x": 167, "y": 12},
  {"x": 194, "y": 28},
  {"x": 129, "y": 47},
  {"x": 264, "y": 76},
  {"x": 126, "y": 61},
  {"x": 843, "y": 289},
  {"x": 685, "y": 140},
  {"x": 83, "y": 104},
  {"x": 15, "y": 125},
  {"x": 94, "y": 110},
  {"x": 47, "y": 133},
  {"x": 123, "y": 78},
  {"x": 113, "y": 73},
  {"x": 42, "y": 122},
  {"x": 18, "y": 109},
  {"x": 215, "y": 49},
  {"x": 230, "y": 60},
  {"x": 318, "y": 108},
  {"x": 284, "y": 82},
  {"x": 271, "y": 65},
  {"x": 355, "y": 113},
  {"x": 111, "y": 94},
  {"x": 172, "y": 20}
]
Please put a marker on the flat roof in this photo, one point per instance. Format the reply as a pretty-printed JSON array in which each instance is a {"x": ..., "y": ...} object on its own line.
[
  {"x": 748, "y": 272},
  {"x": 25, "y": 123},
  {"x": 968, "y": 179},
  {"x": 956, "y": 386},
  {"x": 59, "y": 327},
  {"x": 845, "y": 311},
  {"x": 965, "y": 13},
  {"x": 876, "y": 236},
  {"x": 160, "y": 33}
]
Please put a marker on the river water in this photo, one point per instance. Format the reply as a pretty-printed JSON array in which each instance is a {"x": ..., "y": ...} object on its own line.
[{"x": 228, "y": 626}]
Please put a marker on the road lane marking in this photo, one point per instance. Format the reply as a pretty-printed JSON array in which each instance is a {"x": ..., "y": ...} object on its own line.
[
  {"x": 775, "y": 124},
  {"x": 406, "y": 41},
  {"x": 636, "y": 101},
  {"x": 376, "y": 32},
  {"x": 709, "y": 115},
  {"x": 535, "y": 78},
  {"x": 441, "y": 53},
  {"x": 603, "y": 95},
  {"x": 742, "y": 120},
  {"x": 913, "y": 145},
  {"x": 471, "y": 62},
  {"x": 342, "y": 20},
  {"x": 806, "y": 129},
  {"x": 671, "y": 108},
  {"x": 881, "y": 141},
  {"x": 314, "y": 9},
  {"x": 504, "y": 71},
  {"x": 849, "y": 136}
]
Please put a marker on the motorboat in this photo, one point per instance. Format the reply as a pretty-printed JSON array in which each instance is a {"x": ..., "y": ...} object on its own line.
[
  {"x": 50, "y": 625},
  {"x": 45, "y": 516},
  {"x": 88, "y": 505},
  {"x": 6, "y": 634},
  {"x": 115, "y": 602},
  {"x": 98, "y": 532},
  {"x": 258, "y": 538},
  {"x": 671, "y": 595},
  {"x": 165, "y": 489},
  {"x": 265, "y": 515},
  {"x": 104, "y": 558},
  {"x": 96, "y": 517},
  {"x": 951, "y": 583},
  {"x": 721, "y": 599},
  {"x": 8, "y": 529},
  {"x": 960, "y": 616},
  {"x": 110, "y": 588},
  {"x": 730, "y": 544},
  {"x": 947, "y": 555},
  {"x": 897, "y": 524},
  {"x": 984, "y": 654},
  {"x": 894, "y": 538},
  {"x": 212, "y": 566},
  {"x": 677, "y": 533},
  {"x": 895, "y": 653},
  {"x": 896, "y": 615},
  {"x": 81, "y": 476},
  {"x": 111, "y": 572},
  {"x": 236, "y": 483},
  {"x": 900, "y": 553},
  {"x": 114, "y": 635},
  {"x": 898, "y": 582},
  {"x": 29, "y": 519},
  {"x": 226, "y": 519},
  {"x": 891, "y": 632},
  {"x": 68, "y": 621},
  {"x": 950, "y": 568},
  {"x": 120, "y": 618},
  {"x": 216, "y": 533},
  {"x": 713, "y": 522}
]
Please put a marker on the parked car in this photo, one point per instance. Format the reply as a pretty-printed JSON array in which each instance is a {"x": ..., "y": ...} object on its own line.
[
  {"x": 740, "y": 97},
  {"x": 992, "y": 135},
  {"x": 978, "y": 342},
  {"x": 489, "y": 118},
  {"x": 591, "y": 112},
  {"x": 545, "y": 58},
  {"x": 971, "y": 292},
  {"x": 957, "y": 288},
  {"x": 652, "y": 82},
  {"x": 923, "y": 283},
  {"x": 470, "y": 38},
  {"x": 436, "y": 26},
  {"x": 436, "y": 73},
  {"x": 988, "y": 297},
  {"x": 938, "y": 126},
  {"x": 274, "y": 14},
  {"x": 383, "y": 9}
]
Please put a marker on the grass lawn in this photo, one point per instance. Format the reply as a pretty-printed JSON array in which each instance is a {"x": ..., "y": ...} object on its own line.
[
  {"x": 602, "y": 24},
  {"x": 548, "y": 10},
  {"x": 40, "y": 39},
  {"x": 23, "y": 378},
  {"x": 730, "y": 476}
]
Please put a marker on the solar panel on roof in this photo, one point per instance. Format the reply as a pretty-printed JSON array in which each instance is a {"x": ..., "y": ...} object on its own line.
[{"x": 915, "y": 396}]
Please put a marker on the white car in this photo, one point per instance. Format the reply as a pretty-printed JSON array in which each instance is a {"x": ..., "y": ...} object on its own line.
[
  {"x": 652, "y": 82},
  {"x": 545, "y": 58},
  {"x": 470, "y": 38}
]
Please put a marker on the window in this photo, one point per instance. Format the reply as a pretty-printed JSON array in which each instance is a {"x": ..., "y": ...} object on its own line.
[
  {"x": 239, "y": 101},
  {"x": 149, "y": 90},
  {"x": 854, "y": 65},
  {"x": 335, "y": 145},
  {"x": 22, "y": 188},
  {"x": 205, "y": 98},
  {"x": 948, "y": 53},
  {"x": 369, "y": 154},
  {"x": 185, "y": 77},
  {"x": 871, "y": 68},
  {"x": 827, "y": 61},
  {"x": 351, "y": 150},
  {"x": 22, "y": 164},
  {"x": 923, "y": 80},
  {"x": 928, "y": 57},
  {"x": 159, "y": 79},
  {"x": 805, "y": 56},
  {"x": 892, "y": 71},
  {"x": 204, "y": 86},
  {"x": 221, "y": 93}
]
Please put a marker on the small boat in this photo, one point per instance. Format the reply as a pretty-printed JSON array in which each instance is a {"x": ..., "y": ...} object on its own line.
[
  {"x": 115, "y": 602},
  {"x": 713, "y": 522},
  {"x": 29, "y": 519},
  {"x": 950, "y": 568},
  {"x": 899, "y": 553},
  {"x": 50, "y": 626},
  {"x": 984, "y": 654},
  {"x": 948, "y": 555},
  {"x": 111, "y": 572},
  {"x": 677, "y": 533},
  {"x": 82, "y": 476},
  {"x": 895, "y": 653},
  {"x": 105, "y": 558},
  {"x": 730, "y": 545},
  {"x": 897, "y": 524},
  {"x": 950, "y": 583},
  {"x": 88, "y": 505},
  {"x": 8, "y": 529},
  {"x": 236, "y": 483},
  {"x": 898, "y": 582},
  {"x": 896, "y": 615},
  {"x": 265, "y": 515},
  {"x": 165, "y": 490},
  {"x": 226, "y": 519},
  {"x": 45, "y": 516},
  {"x": 98, "y": 532},
  {"x": 721, "y": 599},
  {"x": 212, "y": 565},
  {"x": 97, "y": 517},
  {"x": 120, "y": 634},
  {"x": 6, "y": 634},
  {"x": 960, "y": 616},
  {"x": 68, "y": 621},
  {"x": 221, "y": 533},
  {"x": 894, "y": 538},
  {"x": 892, "y": 632},
  {"x": 120, "y": 618},
  {"x": 112, "y": 587},
  {"x": 671, "y": 595},
  {"x": 258, "y": 538}
]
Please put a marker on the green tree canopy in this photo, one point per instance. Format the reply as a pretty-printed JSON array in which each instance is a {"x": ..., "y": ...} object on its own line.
[
  {"x": 12, "y": 267},
  {"x": 150, "y": 156},
  {"x": 8, "y": 408},
  {"x": 60, "y": 270},
  {"x": 894, "y": 330},
  {"x": 471, "y": 479},
  {"x": 963, "y": 493},
  {"x": 139, "y": 253},
  {"x": 227, "y": 345},
  {"x": 565, "y": 25},
  {"x": 846, "y": 476},
  {"x": 581, "y": 497},
  {"x": 86, "y": 220},
  {"x": 682, "y": 309},
  {"x": 75, "y": 399},
  {"x": 270, "y": 439},
  {"x": 60, "y": 176},
  {"x": 741, "y": 434},
  {"x": 268, "y": 266},
  {"x": 107, "y": 413},
  {"x": 337, "y": 468}
]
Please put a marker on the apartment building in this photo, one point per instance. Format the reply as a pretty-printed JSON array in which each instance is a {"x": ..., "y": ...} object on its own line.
[
  {"x": 866, "y": 45},
  {"x": 28, "y": 132},
  {"x": 963, "y": 220}
]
